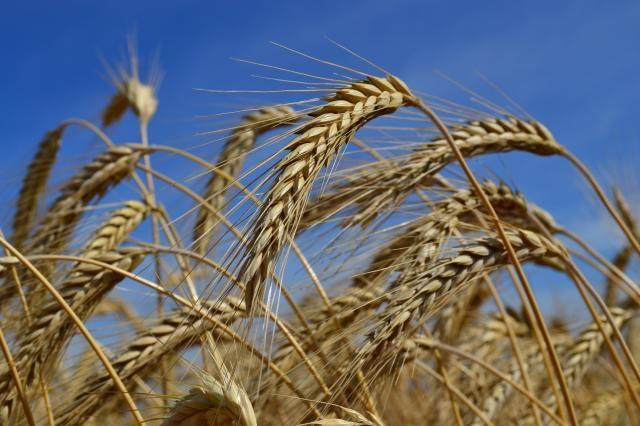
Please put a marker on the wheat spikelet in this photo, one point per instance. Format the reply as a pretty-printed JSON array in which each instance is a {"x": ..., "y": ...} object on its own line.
[
  {"x": 112, "y": 232},
  {"x": 383, "y": 185},
  {"x": 318, "y": 141},
  {"x": 42, "y": 342},
  {"x": 241, "y": 141},
  {"x": 177, "y": 330},
  {"x": 33, "y": 185}
]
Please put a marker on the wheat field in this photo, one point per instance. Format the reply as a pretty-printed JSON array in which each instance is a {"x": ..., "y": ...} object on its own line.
[{"x": 334, "y": 258}]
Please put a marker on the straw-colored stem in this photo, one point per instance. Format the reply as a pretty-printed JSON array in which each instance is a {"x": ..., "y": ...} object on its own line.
[
  {"x": 511, "y": 253},
  {"x": 16, "y": 379},
  {"x": 83, "y": 330}
]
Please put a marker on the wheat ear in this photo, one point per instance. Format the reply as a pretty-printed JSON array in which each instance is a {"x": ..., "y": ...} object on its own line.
[
  {"x": 605, "y": 407},
  {"x": 220, "y": 400},
  {"x": 143, "y": 354},
  {"x": 42, "y": 342},
  {"x": 34, "y": 184},
  {"x": 112, "y": 232},
  {"x": 231, "y": 160},
  {"x": 383, "y": 185},
  {"x": 579, "y": 356},
  {"x": 91, "y": 183},
  {"x": 318, "y": 141},
  {"x": 420, "y": 295}
]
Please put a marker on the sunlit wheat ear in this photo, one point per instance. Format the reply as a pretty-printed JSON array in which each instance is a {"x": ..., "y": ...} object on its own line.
[
  {"x": 141, "y": 357},
  {"x": 41, "y": 343},
  {"x": 34, "y": 184},
  {"x": 218, "y": 401},
  {"x": 578, "y": 357},
  {"x": 132, "y": 94},
  {"x": 212, "y": 404},
  {"x": 420, "y": 295},
  {"x": 116, "y": 228},
  {"x": 231, "y": 160},
  {"x": 318, "y": 141},
  {"x": 90, "y": 184},
  {"x": 382, "y": 186},
  {"x": 420, "y": 240}
]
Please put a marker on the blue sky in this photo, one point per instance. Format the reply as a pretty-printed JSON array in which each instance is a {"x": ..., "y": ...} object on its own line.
[{"x": 573, "y": 65}]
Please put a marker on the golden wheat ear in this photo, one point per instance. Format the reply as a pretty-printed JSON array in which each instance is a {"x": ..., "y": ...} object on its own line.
[
  {"x": 34, "y": 185},
  {"x": 131, "y": 93},
  {"x": 219, "y": 400},
  {"x": 331, "y": 127}
]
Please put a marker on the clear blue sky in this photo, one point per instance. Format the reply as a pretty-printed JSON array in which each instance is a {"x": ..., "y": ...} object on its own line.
[{"x": 574, "y": 65}]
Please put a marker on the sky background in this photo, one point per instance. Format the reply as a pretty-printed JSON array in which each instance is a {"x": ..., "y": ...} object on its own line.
[{"x": 574, "y": 65}]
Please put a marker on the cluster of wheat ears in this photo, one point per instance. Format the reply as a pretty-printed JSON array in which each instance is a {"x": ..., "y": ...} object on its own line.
[{"x": 353, "y": 272}]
